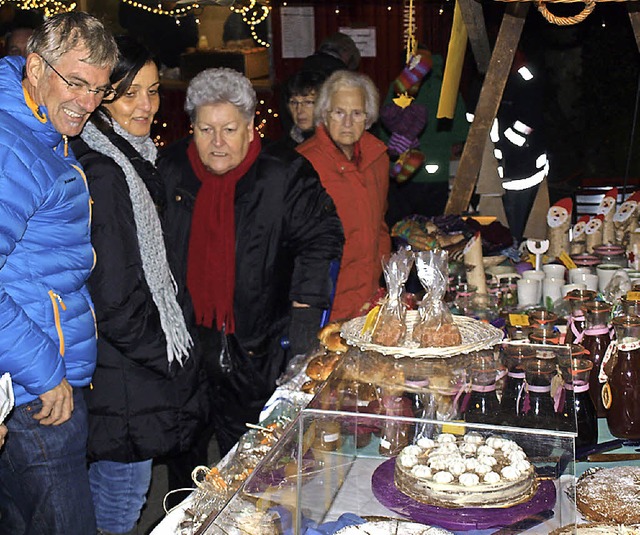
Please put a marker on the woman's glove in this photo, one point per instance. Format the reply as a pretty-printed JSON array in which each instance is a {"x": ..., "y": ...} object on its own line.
[{"x": 303, "y": 331}]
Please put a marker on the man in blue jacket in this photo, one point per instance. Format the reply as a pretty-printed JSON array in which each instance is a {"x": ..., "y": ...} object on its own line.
[{"x": 47, "y": 330}]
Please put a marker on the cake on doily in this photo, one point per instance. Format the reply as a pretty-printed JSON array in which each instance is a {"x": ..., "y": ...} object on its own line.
[
  {"x": 467, "y": 471},
  {"x": 610, "y": 494},
  {"x": 391, "y": 527},
  {"x": 596, "y": 529}
]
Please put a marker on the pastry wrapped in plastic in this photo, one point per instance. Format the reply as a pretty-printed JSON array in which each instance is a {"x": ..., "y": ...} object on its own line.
[
  {"x": 390, "y": 326},
  {"x": 435, "y": 328}
]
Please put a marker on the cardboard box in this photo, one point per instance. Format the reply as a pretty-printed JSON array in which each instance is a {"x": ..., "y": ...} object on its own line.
[{"x": 253, "y": 63}]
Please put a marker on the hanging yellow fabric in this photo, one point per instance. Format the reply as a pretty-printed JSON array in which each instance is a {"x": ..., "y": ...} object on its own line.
[{"x": 453, "y": 67}]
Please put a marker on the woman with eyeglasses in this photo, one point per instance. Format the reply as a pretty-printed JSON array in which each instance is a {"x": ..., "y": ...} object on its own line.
[
  {"x": 145, "y": 400},
  {"x": 300, "y": 93},
  {"x": 354, "y": 169}
]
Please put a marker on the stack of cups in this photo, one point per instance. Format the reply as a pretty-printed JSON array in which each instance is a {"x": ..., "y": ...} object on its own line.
[
  {"x": 530, "y": 288},
  {"x": 584, "y": 278},
  {"x": 553, "y": 283}
]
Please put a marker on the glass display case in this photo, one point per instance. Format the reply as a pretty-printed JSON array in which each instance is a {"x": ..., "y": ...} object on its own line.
[{"x": 350, "y": 456}]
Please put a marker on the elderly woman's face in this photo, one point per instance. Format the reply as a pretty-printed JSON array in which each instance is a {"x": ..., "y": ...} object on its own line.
[
  {"x": 346, "y": 117},
  {"x": 222, "y": 136}
]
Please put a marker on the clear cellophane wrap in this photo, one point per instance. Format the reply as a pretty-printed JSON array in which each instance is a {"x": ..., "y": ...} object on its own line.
[
  {"x": 390, "y": 327},
  {"x": 435, "y": 328}
]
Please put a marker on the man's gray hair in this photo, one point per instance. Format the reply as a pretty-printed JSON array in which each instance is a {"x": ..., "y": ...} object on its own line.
[
  {"x": 214, "y": 86},
  {"x": 64, "y": 32},
  {"x": 342, "y": 79}
]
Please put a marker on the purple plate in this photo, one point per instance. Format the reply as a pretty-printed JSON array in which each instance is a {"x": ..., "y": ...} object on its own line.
[{"x": 461, "y": 519}]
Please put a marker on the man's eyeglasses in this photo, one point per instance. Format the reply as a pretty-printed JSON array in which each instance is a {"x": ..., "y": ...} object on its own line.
[
  {"x": 301, "y": 103},
  {"x": 82, "y": 88},
  {"x": 356, "y": 116}
]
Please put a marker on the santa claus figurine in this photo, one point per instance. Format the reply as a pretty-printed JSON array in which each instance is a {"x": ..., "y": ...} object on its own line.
[
  {"x": 558, "y": 225},
  {"x": 607, "y": 208},
  {"x": 625, "y": 220},
  {"x": 594, "y": 232},
  {"x": 578, "y": 237}
]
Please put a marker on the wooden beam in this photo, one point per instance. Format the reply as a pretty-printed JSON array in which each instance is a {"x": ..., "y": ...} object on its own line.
[
  {"x": 474, "y": 21},
  {"x": 487, "y": 107},
  {"x": 634, "y": 16}
]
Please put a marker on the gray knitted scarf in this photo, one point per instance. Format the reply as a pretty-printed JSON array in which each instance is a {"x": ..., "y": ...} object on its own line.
[{"x": 151, "y": 242}]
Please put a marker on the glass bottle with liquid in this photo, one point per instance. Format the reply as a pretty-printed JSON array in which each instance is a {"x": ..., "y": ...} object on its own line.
[
  {"x": 481, "y": 404},
  {"x": 596, "y": 340},
  {"x": 623, "y": 414},
  {"x": 578, "y": 300},
  {"x": 395, "y": 434},
  {"x": 575, "y": 409},
  {"x": 514, "y": 358}
]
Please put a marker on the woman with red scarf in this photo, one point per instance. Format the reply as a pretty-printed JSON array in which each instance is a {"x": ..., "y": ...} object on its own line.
[{"x": 258, "y": 234}]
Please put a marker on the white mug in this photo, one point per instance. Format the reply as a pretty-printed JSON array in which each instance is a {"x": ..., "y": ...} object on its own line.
[
  {"x": 552, "y": 289},
  {"x": 533, "y": 274},
  {"x": 605, "y": 274},
  {"x": 589, "y": 279},
  {"x": 576, "y": 272},
  {"x": 573, "y": 286},
  {"x": 554, "y": 271},
  {"x": 529, "y": 292}
]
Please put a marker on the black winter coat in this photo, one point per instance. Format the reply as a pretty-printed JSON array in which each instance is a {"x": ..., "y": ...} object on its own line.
[
  {"x": 287, "y": 234},
  {"x": 139, "y": 408}
]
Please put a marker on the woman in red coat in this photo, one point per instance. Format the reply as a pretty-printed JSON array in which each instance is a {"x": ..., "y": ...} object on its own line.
[{"x": 354, "y": 169}]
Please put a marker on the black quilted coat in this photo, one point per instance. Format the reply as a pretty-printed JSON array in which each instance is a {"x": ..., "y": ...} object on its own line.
[
  {"x": 139, "y": 408},
  {"x": 287, "y": 234}
]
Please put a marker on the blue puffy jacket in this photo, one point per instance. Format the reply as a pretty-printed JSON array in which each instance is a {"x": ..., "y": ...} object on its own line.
[{"x": 47, "y": 328}]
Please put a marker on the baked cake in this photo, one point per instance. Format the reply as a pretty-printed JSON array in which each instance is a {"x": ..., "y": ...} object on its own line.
[
  {"x": 596, "y": 529},
  {"x": 467, "y": 471},
  {"x": 610, "y": 494}
]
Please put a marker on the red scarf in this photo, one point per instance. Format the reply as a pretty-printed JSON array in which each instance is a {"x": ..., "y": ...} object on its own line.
[{"x": 211, "y": 265}]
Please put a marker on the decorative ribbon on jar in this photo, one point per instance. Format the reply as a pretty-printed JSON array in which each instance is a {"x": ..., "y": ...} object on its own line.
[{"x": 571, "y": 324}]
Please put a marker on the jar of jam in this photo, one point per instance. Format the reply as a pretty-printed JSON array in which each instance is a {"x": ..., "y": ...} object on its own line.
[
  {"x": 575, "y": 322},
  {"x": 542, "y": 318},
  {"x": 481, "y": 404},
  {"x": 544, "y": 335},
  {"x": 611, "y": 254},
  {"x": 623, "y": 372},
  {"x": 629, "y": 306},
  {"x": 573, "y": 404},
  {"x": 514, "y": 357},
  {"x": 596, "y": 340}
]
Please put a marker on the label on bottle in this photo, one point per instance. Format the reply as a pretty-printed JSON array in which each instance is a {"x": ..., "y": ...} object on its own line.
[
  {"x": 518, "y": 320},
  {"x": 333, "y": 437},
  {"x": 384, "y": 443}
]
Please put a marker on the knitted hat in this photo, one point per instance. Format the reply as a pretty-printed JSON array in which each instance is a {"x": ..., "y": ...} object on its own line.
[
  {"x": 412, "y": 75},
  {"x": 406, "y": 165}
]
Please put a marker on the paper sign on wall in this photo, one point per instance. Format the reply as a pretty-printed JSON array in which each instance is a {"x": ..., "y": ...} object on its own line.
[
  {"x": 298, "y": 31},
  {"x": 364, "y": 38}
]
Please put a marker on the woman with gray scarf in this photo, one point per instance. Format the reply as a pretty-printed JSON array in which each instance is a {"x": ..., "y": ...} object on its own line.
[{"x": 145, "y": 401}]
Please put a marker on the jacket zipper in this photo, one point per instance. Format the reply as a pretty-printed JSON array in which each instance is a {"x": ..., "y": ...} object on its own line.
[{"x": 55, "y": 301}]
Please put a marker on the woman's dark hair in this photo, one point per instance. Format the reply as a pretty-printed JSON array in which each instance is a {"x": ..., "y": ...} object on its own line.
[
  {"x": 132, "y": 56},
  {"x": 304, "y": 82}
]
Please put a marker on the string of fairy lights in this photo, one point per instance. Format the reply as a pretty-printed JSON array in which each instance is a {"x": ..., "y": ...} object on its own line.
[{"x": 252, "y": 12}]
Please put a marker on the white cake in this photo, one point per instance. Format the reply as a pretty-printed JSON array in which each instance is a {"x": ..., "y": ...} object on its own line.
[{"x": 468, "y": 471}]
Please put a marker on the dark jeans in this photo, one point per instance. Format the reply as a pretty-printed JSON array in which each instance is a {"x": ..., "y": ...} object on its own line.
[{"x": 44, "y": 483}]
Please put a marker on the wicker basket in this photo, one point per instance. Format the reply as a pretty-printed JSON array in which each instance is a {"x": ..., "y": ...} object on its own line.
[
  {"x": 589, "y": 6},
  {"x": 476, "y": 335}
]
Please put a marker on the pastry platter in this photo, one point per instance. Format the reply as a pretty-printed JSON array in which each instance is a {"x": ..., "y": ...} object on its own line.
[
  {"x": 476, "y": 335},
  {"x": 391, "y": 527}
]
